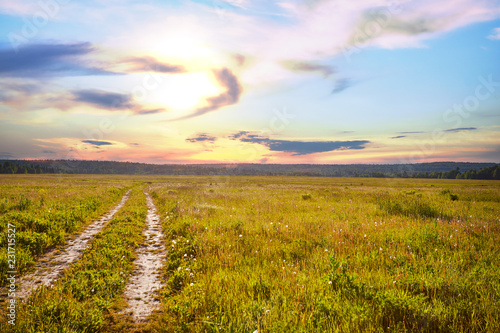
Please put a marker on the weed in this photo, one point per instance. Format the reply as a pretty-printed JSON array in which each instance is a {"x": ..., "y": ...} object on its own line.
[{"x": 306, "y": 196}]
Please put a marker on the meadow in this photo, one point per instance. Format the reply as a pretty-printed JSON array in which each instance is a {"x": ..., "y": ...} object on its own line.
[
  {"x": 270, "y": 254},
  {"x": 48, "y": 210}
]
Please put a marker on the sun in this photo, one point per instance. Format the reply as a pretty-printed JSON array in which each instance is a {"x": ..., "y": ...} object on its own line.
[{"x": 182, "y": 92}]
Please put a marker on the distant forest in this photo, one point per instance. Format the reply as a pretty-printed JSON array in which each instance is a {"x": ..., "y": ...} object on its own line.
[{"x": 442, "y": 170}]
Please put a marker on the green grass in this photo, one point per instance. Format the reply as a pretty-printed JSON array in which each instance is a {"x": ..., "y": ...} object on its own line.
[
  {"x": 45, "y": 212},
  {"x": 292, "y": 254},
  {"x": 91, "y": 287},
  {"x": 281, "y": 255}
]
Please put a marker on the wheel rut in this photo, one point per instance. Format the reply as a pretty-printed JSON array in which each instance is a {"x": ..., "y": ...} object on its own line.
[
  {"x": 141, "y": 292},
  {"x": 50, "y": 265}
]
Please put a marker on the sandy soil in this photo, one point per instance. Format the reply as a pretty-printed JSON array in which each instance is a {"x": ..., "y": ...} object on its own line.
[{"x": 141, "y": 292}]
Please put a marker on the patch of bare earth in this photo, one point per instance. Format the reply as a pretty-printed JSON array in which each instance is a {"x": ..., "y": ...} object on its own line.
[
  {"x": 141, "y": 292},
  {"x": 51, "y": 264}
]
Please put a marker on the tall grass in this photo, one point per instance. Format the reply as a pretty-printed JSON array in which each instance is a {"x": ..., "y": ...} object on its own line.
[
  {"x": 278, "y": 254},
  {"x": 46, "y": 214},
  {"x": 285, "y": 257},
  {"x": 90, "y": 289}
]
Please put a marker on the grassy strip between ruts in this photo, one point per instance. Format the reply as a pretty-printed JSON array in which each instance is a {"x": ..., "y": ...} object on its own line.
[
  {"x": 47, "y": 221},
  {"x": 79, "y": 301}
]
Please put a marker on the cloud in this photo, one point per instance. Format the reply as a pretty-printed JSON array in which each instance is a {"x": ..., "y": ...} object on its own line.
[
  {"x": 241, "y": 134},
  {"x": 495, "y": 35},
  {"x": 11, "y": 91},
  {"x": 24, "y": 88},
  {"x": 298, "y": 147},
  {"x": 48, "y": 152},
  {"x": 237, "y": 3},
  {"x": 230, "y": 96},
  {"x": 406, "y": 24},
  {"x": 41, "y": 60},
  {"x": 460, "y": 129},
  {"x": 146, "y": 112},
  {"x": 203, "y": 137},
  {"x": 341, "y": 85},
  {"x": 111, "y": 101},
  {"x": 104, "y": 99},
  {"x": 21, "y": 95},
  {"x": 240, "y": 59},
  {"x": 150, "y": 64},
  {"x": 318, "y": 29},
  {"x": 416, "y": 132},
  {"x": 308, "y": 66},
  {"x": 21, "y": 8},
  {"x": 6, "y": 156},
  {"x": 97, "y": 143}
]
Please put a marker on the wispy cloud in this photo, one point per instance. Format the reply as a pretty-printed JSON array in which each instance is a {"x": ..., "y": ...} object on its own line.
[
  {"x": 408, "y": 23},
  {"x": 11, "y": 91},
  {"x": 461, "y": 129},
  {"x": 230, "y": 96},
  {"x": 6, "y": 156},
  {"x": 298, "y": 147},
  {"x": 414, "y": 132},
  {"x": 148, "y": 111},
  {"x": 398, "y": 137},
  {"x": 495, "y": 35},
  {"x": 341, "y": 85},
  {"x": 45, "y": 60},
  {"x": 150, "y": 64},
  {"x": 308, "y": 67}
]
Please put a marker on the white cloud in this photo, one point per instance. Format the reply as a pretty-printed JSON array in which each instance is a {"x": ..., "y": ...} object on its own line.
[
  {"x": 16, "y": 7},
  {"x": 319, "y": 30},
  {"x": 328, "y": 27},
  {"x": 495, "y": 35},
  {"x": 312, "y": 30}
]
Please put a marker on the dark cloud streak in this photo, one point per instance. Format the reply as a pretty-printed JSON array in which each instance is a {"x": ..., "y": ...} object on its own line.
[
  {"x": 308, "y": 66},
  {"x": 461, "y": 129},
  {"x": 97, "y": 143},
  {"x": 104, "y": 99},
  {"x": 299, "y": 147},
  {"x": 6, "y": 156},
  {"x": 341, "y": 85},
  {"x": 150, "y": 64},
  {"x": 417, "y": 132},
  {"x": 203, "y": 137},
  {"x": 43, "y": 60}
]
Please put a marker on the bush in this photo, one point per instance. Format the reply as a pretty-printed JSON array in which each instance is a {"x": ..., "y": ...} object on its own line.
[
  {"x": 447, "y": 193},
  {"x": 406, "y": 206}
]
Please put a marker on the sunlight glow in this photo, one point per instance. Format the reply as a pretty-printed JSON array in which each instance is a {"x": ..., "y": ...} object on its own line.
[{"x": 186, "y": 91}]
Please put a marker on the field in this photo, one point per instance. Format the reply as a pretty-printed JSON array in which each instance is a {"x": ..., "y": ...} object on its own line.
[{"x": 265, "y": 254}]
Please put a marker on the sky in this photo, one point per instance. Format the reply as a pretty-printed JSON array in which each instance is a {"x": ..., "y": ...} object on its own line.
[{"x": 241, "y": 81}]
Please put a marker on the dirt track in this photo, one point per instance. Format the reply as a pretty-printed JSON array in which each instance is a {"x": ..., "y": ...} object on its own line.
[
  {"x": 50, "y": 265},
  {"x": 141, "y": 292}
]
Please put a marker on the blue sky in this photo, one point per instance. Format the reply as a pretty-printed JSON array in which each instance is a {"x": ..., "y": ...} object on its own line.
[{"x": 371, "y": 81}]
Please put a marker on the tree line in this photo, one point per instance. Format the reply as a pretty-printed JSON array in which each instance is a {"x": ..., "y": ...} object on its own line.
[{"x": 437, "y": 170}]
